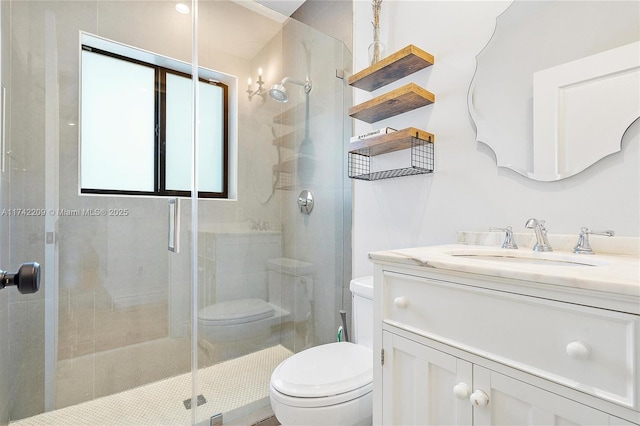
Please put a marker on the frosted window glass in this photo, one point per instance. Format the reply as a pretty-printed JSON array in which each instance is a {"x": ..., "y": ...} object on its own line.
[
  {"x": 117, "y": 151},
  {"x": 178, "y": 135},
  {"x": 211, "y": 146}
]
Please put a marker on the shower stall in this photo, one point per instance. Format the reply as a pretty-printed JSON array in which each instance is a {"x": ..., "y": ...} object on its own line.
[{"x": 119, "y": 331}]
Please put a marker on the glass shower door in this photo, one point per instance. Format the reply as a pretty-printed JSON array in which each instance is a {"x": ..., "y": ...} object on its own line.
[
  {"x": 107, "y": 338},
  {"x": 271, "y": 277},
  {"x": 111, "y": 335}
]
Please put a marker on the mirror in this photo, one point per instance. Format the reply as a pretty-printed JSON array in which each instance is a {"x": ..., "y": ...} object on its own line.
[{"x": 557, "y": 85}]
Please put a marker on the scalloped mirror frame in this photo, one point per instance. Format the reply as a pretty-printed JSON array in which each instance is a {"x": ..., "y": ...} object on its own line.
[{"x": 535, "y": 38}]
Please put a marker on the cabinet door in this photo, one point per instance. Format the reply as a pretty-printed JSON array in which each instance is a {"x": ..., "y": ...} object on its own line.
[
  {"x": 512, "y": 402},
  {"x": 615, "y": 421},
  {"x": 418, "y": 385}
]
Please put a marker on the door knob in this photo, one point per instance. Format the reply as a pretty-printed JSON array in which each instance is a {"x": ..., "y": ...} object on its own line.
[{"x": 27, "y": 279}]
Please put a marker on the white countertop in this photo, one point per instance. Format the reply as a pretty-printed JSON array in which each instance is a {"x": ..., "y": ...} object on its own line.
[{"x": 610, "y": 273}]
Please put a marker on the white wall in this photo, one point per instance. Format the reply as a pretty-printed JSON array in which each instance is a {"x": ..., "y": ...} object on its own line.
[{"x": 467, "y": 191}]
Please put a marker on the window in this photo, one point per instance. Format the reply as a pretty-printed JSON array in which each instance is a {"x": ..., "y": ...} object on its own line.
[{"x": 136, "y": 128}]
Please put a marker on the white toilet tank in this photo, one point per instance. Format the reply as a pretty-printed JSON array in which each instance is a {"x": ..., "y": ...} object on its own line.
[
  {"x": 291, "y": 286},
  {"x": 362, "y": 303}
]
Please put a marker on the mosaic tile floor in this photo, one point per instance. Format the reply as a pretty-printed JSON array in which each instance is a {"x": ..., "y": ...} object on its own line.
[{"x": 226, "y": 387}]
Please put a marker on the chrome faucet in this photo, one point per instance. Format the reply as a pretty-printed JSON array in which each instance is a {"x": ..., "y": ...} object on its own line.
[
  {"x": 583, "y": 246},
  {"x": 542, "y": 243}
]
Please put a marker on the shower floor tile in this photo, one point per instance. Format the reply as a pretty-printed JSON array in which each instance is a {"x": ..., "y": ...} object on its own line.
[{"x": 226, "y": 387}]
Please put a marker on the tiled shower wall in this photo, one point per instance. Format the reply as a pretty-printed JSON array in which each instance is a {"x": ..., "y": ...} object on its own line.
[{"x": 115, "y": 273}]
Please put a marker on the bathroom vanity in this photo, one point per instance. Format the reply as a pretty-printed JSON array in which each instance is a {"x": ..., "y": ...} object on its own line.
[{"x": 475, "y": 334}]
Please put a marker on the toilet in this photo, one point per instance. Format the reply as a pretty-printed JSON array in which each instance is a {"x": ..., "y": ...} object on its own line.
[
  {"x": 330, "y": 384},
  {"x": 236, "y": 327}
]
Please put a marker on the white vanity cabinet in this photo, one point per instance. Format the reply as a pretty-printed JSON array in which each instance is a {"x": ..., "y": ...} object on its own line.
[
  {"x": 425, "y": 386},
  {"x": 465, "y": 349},
  {"x": 418, "y": 382}
]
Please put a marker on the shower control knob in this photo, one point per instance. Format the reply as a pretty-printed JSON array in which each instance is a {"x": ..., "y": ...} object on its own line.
[
  {"x": 27, "y": 279},
  {"x": 305, "y": 202}
]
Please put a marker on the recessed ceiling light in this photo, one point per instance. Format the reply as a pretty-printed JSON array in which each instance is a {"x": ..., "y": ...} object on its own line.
[{"x": 182, "y": 8}]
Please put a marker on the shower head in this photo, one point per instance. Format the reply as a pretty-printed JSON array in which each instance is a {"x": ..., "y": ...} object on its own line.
[{"x": 279, "y": 93}]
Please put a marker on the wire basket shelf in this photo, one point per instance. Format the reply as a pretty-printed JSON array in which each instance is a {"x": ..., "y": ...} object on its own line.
[{"x": 422, "y": 161}]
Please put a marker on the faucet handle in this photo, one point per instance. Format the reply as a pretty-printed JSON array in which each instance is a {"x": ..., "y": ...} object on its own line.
[
  {"x": 583, "y": 246},
  {"x": 509, "y": 242}
]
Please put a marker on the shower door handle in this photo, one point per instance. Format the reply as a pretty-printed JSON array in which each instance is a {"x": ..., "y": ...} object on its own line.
[
  {"x": 27, "y": 279},
  {"x": 174, "y": 225}
]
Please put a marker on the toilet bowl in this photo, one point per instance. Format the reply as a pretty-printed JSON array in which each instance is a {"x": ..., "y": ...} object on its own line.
[
  {"x": 330, "y": 384},
  {"x": 232, "y": 328},
  {"x": 238, "y": 319}
]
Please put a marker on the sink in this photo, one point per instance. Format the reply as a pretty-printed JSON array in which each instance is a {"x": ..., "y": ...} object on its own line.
[
  {"x": 533, "y": 261},
  {"x": 528, "y": 258}
]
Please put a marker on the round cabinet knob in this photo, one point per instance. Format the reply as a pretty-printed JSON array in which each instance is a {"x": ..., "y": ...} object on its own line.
[
  {"x": 479, "y": 398},
  {"x": 401, "y": 302},
  {"x": 462, "y": 391},
  {"x": 578, "y": 350}
]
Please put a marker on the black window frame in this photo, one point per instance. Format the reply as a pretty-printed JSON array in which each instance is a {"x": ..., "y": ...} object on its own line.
[{"x": 160, "y": 154}]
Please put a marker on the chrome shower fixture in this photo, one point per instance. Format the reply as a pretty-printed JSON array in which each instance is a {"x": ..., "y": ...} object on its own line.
[{"x": 279, "y": 93}]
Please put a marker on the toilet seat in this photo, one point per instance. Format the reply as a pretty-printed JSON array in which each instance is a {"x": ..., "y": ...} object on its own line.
[
  {"x": 326, "y": 401},
  {"x": 239, "y": 311},
  {"x": 324, "y": 375}
]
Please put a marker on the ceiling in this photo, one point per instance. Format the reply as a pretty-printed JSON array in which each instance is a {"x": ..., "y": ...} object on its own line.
[
  {"x": 245, "y": 26},
  {"x": 284, "y": 7},
  {"x": 248, "y": 28}
]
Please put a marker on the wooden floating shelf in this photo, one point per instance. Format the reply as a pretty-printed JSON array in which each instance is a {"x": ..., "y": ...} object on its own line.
[
  {"x": 286, "y": 141},
  {"x": 390, "y": 142},
  {"x": 406, "y": 98},
  {"x": 394, "y": 67},
  {"x": 286, "y": 166},
  {"x": 362, "y": 152},
  {"x": 398, "y": 101},
  {"x": 291, "y": 116},
  {"x": 297, "y": 114},
  {"x": 291, "y": 164}
]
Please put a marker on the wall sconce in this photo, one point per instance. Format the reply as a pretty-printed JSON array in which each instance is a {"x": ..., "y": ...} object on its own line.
[{"x": 259, "y": 91}]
